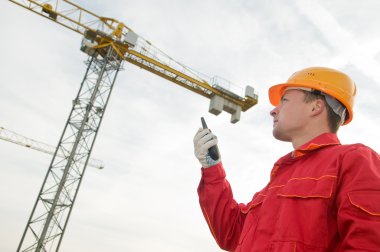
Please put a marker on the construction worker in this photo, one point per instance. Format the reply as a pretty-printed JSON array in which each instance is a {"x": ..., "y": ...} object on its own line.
[{"x": 322, "y": 196}]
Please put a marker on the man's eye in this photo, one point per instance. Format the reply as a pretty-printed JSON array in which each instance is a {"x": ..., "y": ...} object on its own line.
[{"x": 283, "y": 99}]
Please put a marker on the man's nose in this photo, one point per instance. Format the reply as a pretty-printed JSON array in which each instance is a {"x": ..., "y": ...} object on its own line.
[{"x": 274, "y": 112}]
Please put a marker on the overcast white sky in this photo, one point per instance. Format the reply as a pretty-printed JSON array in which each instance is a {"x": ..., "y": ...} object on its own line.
[{"x": 145, "y": 199}]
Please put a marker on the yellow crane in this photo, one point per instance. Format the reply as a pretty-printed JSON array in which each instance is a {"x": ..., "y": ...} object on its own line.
[{"x": 108, "y": 43}]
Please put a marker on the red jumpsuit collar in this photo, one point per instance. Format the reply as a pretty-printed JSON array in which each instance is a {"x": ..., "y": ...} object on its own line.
[{"x": 323, "y": 140}]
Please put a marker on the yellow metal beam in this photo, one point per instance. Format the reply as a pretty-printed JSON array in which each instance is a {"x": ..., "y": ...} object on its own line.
[{"x": 80, "y": 20}]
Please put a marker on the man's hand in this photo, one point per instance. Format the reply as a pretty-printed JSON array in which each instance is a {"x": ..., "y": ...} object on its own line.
[{"x": 203, "y": 140}]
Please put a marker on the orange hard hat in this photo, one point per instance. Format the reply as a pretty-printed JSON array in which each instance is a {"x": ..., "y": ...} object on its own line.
[{"x": 327, "y": 80}]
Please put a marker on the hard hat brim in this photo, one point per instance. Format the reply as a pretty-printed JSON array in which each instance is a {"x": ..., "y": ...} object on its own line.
[{"x": 277, "y": 91}]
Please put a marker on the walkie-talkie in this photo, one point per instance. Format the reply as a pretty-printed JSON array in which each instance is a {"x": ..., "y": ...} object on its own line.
[{"x": 213, "y": 151}]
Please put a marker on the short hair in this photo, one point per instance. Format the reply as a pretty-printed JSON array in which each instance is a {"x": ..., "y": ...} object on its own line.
[{"x": 334, "y": 120}]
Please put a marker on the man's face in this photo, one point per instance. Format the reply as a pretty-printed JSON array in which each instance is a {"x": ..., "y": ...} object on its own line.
[{"x": 291, "y": 116}]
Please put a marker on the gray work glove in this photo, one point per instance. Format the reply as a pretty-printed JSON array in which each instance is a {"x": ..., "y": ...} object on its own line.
[{"x": 203, "y": 140}]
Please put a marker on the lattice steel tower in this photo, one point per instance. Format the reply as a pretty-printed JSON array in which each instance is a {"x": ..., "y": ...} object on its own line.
[{"x": 53, "y": 207}]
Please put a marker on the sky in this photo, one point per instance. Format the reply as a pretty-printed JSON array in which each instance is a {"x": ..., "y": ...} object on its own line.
[{"x": 145, "y": 198}]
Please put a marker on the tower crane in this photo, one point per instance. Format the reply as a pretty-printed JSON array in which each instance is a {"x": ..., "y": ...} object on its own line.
[
  {"x": 16, "y": 138},
  {"x": 108, "y": 44}
]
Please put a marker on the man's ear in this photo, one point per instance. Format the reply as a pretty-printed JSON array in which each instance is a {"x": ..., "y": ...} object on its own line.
[{"x": 318, "y": 107}]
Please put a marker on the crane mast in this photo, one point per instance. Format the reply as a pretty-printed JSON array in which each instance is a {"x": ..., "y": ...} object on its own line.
[
  {"x": 51, "y": 212},
  {"x": 108, "y": 44}
]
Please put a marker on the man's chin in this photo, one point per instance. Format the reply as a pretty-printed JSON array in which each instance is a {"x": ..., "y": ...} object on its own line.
[{"x": 280, "y": 136}]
